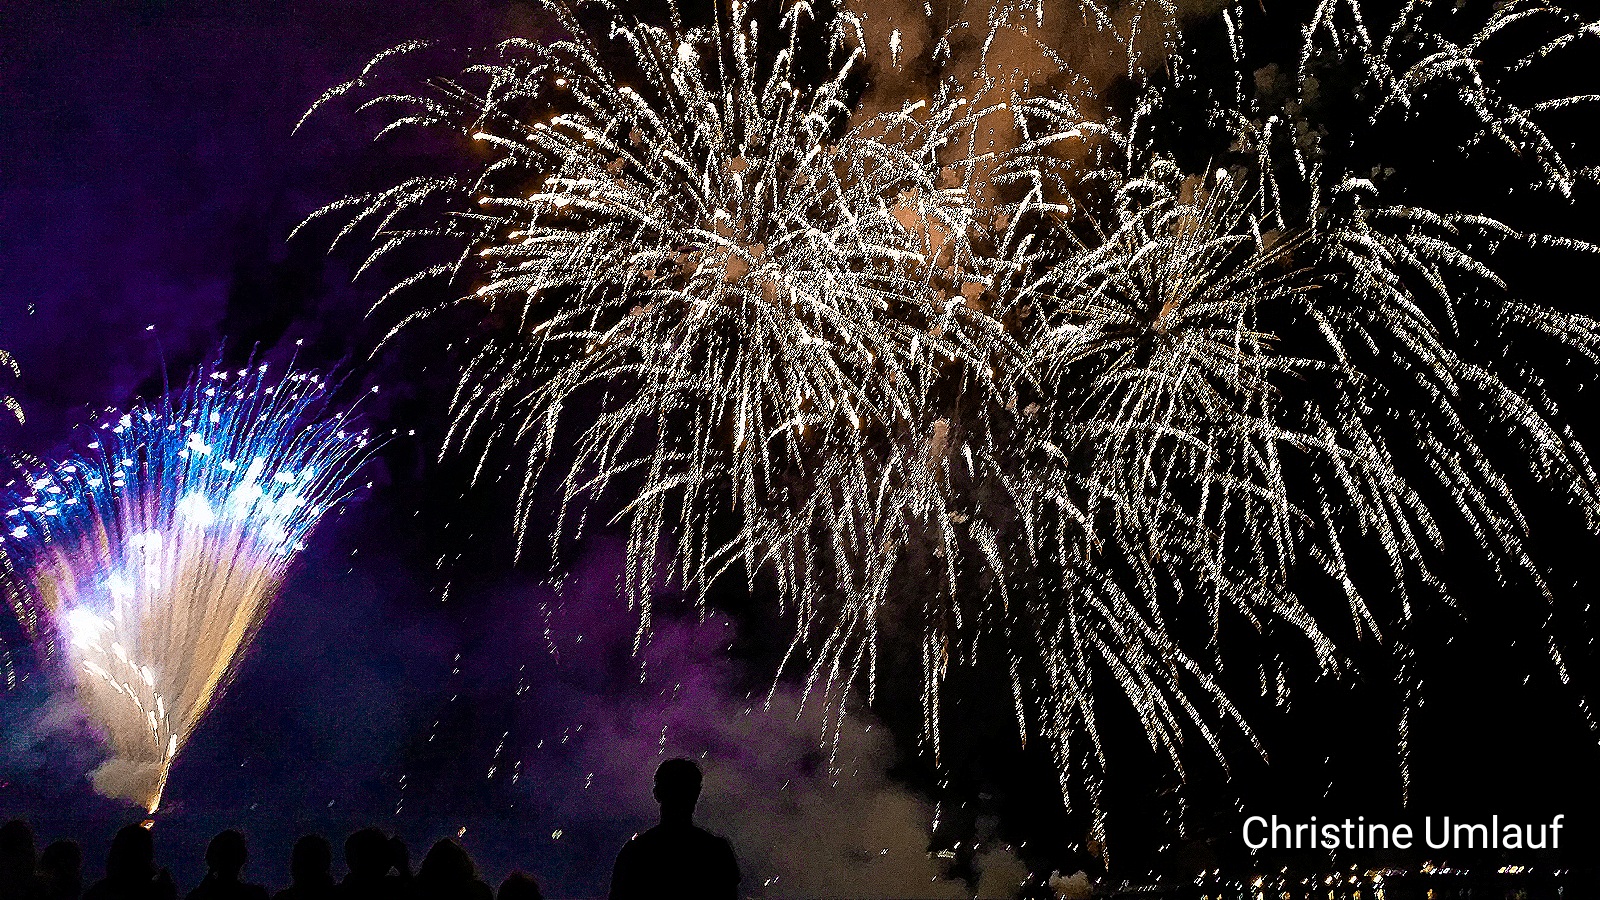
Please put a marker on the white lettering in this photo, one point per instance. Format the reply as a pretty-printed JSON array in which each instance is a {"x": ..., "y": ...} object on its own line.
[{"x": 1256, "y": 820}]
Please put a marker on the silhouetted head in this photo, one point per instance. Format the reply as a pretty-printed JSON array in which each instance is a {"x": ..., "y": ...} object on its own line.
[
  {"x": 446, "y": 863},
  {"x": 311, "y": 862},
  {"x": 367, "y": 853},
  {"x": 519, "y": 886},
  {"x": 677, "y": 788},
  {"x": 399, "y": 855},
  {"x": 132, "y": 855},
  {"x": 16, "y": 849},
  {"x": 227, "y": 854},
  {"x": 16, "y": 839},
  {"x": 62, "y": 863}
]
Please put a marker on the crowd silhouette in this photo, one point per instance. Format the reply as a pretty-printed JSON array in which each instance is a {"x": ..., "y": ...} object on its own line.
[{"x": 675, "y": 859}]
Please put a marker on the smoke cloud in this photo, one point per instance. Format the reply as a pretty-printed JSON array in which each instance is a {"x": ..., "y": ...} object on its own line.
[
  {"x": 994, "y": 52},
  {"x": 801, "y": 792}
]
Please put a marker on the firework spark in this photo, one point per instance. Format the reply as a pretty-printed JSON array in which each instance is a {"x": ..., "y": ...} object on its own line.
[
  {"x": 157, "y": 552},
  {"x": 1056, "y": 395},
  {"x": 8, "y": 576}
]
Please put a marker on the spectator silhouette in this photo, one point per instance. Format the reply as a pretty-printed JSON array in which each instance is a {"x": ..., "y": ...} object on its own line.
[
  {"x": 519, "y": 886},
  {"x": 369, "y": 856},
  {"x": 400, "y": 861},
  {"x": 310, "y": 870},
  {"x": 447, "y": 873},
  {"x": 61, "y": 871},
  {"x": 131, "y": 872},
  {"x": 380, "y": 867},
  {"x": 17, "y": 858},
  {"x": 676, "y": 859},
  {"x": 225, "y": 859}
]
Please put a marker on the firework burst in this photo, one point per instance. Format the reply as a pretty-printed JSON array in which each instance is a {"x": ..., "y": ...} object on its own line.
[
  {"x": 156, "y": 553},
  {"x": 1259, "y": 374},
  {"x": 1060, "y": 396},
  {"x": 755, "y": 294}
]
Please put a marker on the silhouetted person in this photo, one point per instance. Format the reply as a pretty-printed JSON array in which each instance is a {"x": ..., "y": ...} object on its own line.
[
  {"x": 310, "y": 870},
  {"x": 131, "y": 872},
  {"x": 447, "y": 873},
  {"x": 225, "y": 860},
  {"x": 519, "y": 886},
  {"x": 676, "y": 859},
  {"x": 61, "y": 870},
  {"x": 17, "y": 859},
  {"x": 400, "y": 861},
  {"x": 369, "y": 857}
]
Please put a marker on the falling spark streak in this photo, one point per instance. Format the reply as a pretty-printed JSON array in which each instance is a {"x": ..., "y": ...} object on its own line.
[
  {"x": 157, "y": 552},
  {"x": 1055, "y": 398}
]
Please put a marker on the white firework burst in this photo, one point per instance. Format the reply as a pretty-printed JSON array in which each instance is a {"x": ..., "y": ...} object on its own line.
[{"x": 1059, "y": 397}]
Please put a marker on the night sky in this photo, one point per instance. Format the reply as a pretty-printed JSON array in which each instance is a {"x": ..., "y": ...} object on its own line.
[{"x": 413, "y": 676}]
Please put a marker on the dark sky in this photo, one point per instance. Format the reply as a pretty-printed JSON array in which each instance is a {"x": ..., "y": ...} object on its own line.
[{"x": 148, "y": 177}]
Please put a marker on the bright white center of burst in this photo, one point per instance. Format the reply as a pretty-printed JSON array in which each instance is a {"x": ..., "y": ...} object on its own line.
[
  {"x": 121, "y": 588},
  {"x": 85, "y": 626},
  {"x": 196, "y": 510},
  {"x": 245, "y": 496},
  {"x": 147, "y": 541}
]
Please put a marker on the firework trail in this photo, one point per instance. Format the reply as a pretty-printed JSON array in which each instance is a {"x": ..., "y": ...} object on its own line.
[
  {"x": 1055, "y": 393},
  {"x": 9, "y": 364},
  {"x": 8, "y": 575},
  {"x": 157, "y": 552}
]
